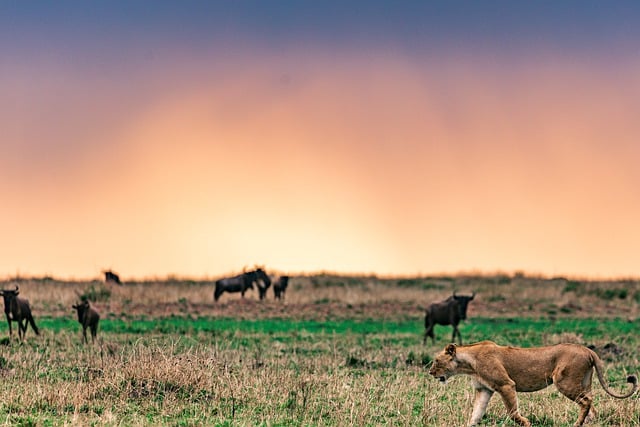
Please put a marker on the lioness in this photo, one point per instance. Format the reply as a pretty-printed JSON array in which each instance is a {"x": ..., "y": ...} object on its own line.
[{"x": 507, "y": 370}]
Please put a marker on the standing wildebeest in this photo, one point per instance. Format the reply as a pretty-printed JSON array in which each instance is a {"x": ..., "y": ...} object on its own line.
[
  {"x": 239, "y": 283},
  {"x": 18, "y": 310},
  {"x": 448, "y": 312},
  {"x": 111, "y": 277},
  {"x": 280, "y": 287},
  {"x": 263, "y": 281},
  {"x": 88, "y": 318}
]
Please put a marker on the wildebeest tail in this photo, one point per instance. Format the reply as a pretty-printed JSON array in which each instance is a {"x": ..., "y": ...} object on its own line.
[{"x": 33, "y": 324}]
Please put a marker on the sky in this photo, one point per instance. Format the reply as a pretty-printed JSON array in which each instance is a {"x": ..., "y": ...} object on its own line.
[{"x": 197, "y": 138}]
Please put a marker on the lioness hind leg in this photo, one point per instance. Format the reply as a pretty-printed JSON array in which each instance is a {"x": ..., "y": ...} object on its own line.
[
  {"x": 585, "y": 409},
  {"x": 577, "y": 387},
  {"x": 585, "y": 401}
]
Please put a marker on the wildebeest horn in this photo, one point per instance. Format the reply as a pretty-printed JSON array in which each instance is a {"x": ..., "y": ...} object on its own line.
[
  {"x": 454, "y": 292},
  {"x": 16, "y": 288},
  {"x": 473, "y": 294}
]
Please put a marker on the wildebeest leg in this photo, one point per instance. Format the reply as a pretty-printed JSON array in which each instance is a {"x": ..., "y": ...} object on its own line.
[
  {"x": 429, "y": 333},
  {"x": 9, "y": 322},
  {"x": 22, "y": 328},
  {"x": 456, "y": 332},
  {"x": 483, "y": 395},
  {"x": 218, "y": 292},
  {"x": 94, "y": 333},
  {"x": 84, "y": 333}
]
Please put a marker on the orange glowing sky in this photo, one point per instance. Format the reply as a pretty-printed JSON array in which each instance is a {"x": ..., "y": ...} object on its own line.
[{"x": 319, "y": 158}]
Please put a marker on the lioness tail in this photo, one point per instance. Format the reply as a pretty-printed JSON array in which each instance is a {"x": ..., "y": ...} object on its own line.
[{"x": 632, "y": 379}]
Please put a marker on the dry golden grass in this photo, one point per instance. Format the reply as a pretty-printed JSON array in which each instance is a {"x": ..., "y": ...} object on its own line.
[
  {"x": 328, "y": 295},
  {"x": 236, "y": 377}
]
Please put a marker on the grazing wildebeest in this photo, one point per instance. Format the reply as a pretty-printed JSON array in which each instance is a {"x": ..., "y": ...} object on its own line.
[
  {"x": 448, "y": 312},
  {"x": 18, "y": 310},
  {"x": 280, "y": 287},
  {"x": 88, "y": 318},
  {"x": 263, "y": 281},
  {"x": 240, "y": 283},
  {"x": 111, "y": 277}
]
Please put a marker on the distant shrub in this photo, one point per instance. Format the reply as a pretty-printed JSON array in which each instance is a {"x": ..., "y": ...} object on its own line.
[
  {"x": 355, "y": 362},
  {"x": 96, "y": 292},
  {"x": 411, "y": 358},
  {"x": 418, "y": 283},
  {"x": 423, "y": 359},
  {"x": 336, "y": 282},
  {"x": 609, "y": 294},
  {"x": 572, "y": 286},
  {"x": 502, "y": 280}
]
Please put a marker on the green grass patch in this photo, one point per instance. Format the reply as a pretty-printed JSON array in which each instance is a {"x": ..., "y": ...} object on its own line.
[{"x": 518, "y": 331}]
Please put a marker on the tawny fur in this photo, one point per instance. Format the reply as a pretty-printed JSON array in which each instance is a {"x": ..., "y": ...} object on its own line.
[{"x": 507, "y": 370}]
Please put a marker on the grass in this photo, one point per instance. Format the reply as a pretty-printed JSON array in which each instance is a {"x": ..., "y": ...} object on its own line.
[
  {"x": 167, "y": 355},
  {"x": 520, "y": 331},
  {"x": 176, "y": 371}
]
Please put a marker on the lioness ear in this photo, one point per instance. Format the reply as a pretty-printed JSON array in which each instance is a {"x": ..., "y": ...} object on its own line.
[{"x": 450, "y": 350}]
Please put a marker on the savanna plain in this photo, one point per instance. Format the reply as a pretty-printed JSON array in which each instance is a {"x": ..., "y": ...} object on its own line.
[{"x": 337, "y": 351}]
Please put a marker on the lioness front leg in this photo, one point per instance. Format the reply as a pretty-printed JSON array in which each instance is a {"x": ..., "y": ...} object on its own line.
[
  {"x": 483, "y": 395},
  {"x": 510, "y": 399}
]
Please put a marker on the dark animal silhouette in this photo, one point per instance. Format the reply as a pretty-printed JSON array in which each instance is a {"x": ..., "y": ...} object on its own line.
[
  {"x": 240, "y": 283},
  {"x": 18, "y": 310},
  {"x": 111, "y": 277},
  {"x": 448, "y": 312},
  {"x": 88, "y": 318},
  {"x": 280, "y": 287},
  {"x": 263, "y": 281}
]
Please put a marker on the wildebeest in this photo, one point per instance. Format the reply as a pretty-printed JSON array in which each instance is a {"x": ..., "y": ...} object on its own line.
[
  {"x": 18, "y": 310},
  {"x": 263, "y": 281},
  {"x": 448, "y": 312},
  {"x": 240, "y": 283},
  {"x": 280, "y": 287},
  {"x": 88, "y": 318},
  {"x": 111, "y": 277}
]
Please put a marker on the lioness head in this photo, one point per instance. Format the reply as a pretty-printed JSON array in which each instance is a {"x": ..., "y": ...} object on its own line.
[{"x": 445, "y": 364}]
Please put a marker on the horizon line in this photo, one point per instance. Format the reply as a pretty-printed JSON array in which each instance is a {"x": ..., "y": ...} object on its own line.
[{"x": 478, "y": 273}]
